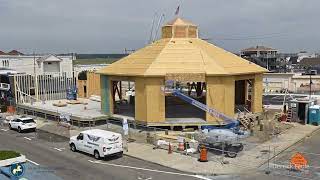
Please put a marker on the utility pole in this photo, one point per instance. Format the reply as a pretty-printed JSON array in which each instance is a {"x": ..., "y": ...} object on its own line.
[
  {"x": 34, "y": 63},
  {"x": 310, "y": 87},
  {"x": 310, "y": 81},
  {"x": 267, "y": 61},
  {"x": 35, "y": 78}
]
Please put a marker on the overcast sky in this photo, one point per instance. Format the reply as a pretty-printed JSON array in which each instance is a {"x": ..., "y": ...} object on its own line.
[{"x": 109, "y": 26}]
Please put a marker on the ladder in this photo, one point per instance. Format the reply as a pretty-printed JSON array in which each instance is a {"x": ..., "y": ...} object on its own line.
[
  {"x": 247, "y": 119},
  {"x": 290, "y": 114}
]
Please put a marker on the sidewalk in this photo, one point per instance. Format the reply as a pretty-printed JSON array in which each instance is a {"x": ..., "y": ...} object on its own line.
[{"x": 248, "y": 160}]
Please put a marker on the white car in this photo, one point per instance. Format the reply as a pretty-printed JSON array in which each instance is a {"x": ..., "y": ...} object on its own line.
[
  {"x": 22, "y": 124},
  {"x": 97, "y": 142}
]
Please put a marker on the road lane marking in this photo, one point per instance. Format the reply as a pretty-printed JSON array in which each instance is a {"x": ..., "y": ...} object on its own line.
[
  {"x": 33, "y": 162},
  {"x": 145, "y": 169},
  {"x": 57, "y": 149},
  {"x": 202, "y": 177},
  {"x": 4, "y": 129},
  {"x": 27, "y": 138},
  {"x": 141, "y": 178}
]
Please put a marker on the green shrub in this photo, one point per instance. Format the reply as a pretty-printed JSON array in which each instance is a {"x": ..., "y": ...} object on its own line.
[{"x": 8, "y": 155}]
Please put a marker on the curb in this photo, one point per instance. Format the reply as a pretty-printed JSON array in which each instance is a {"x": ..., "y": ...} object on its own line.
[
  {"x": 63, "y": 137},
  {"x": 8, "y": 162},
  {"x": 159, "y": 164},
  {"x": 181, "y": 171}
]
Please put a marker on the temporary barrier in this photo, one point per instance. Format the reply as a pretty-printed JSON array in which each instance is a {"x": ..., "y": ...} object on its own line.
[{"x": 203, "y": 154}]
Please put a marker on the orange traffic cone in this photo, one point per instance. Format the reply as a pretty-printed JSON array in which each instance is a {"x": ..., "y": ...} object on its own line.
[
  {"x": 203, "y": 154},
  {"x": 170, "y": 149}
]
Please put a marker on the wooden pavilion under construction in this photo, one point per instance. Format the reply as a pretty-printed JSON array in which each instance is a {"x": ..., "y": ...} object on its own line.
[{"x": 181, "y": 56}]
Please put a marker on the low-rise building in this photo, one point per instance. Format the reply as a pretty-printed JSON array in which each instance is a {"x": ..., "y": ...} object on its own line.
[
  {"x": 36, "y": 64},
  {"x": 293, "y": 82},
  {"x": 261, "y": 55}
]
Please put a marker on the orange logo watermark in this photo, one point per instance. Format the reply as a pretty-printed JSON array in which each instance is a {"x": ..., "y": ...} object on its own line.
[{"x": 298, "y": 161}]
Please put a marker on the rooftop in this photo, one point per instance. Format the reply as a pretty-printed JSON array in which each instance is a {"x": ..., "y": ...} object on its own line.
[
  {"x": 179, "y": 22},
  {"x": 181, "y": 56},
  {"x": 310, "y": 61},
  {"x": 99, "y": 132},
  {"x": 259, "y": 48},
  {"x": 13, "y": 52}
]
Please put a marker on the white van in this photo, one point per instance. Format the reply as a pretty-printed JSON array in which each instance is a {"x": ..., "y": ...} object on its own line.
[{"x": 97, "y": 142}]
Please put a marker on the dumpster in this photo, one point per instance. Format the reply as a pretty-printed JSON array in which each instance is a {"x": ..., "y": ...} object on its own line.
[{"x": 314, "y": 115}]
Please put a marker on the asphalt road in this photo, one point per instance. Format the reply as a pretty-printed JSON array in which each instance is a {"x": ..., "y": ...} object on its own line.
[
  {"x": 279, "y": 167},
  {"x": 53, "y": 153}
]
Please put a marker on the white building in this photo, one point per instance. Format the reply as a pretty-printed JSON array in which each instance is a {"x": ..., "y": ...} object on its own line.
[
  {"x": 304, "y": 54},
  {"x": 38, "y": 64},
  {"x": 88, "y": 67},
  {"x": 294, "y": 82}
]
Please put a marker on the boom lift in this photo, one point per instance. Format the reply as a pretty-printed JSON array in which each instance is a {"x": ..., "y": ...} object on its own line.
[{"x": 224, "y": 139}]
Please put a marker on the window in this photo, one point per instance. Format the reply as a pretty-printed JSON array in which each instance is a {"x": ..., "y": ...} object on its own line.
[
  {"x": 5, "y": 63},
  {"x": 80, "y": 136},
  {"x": 28, "y": 121}
]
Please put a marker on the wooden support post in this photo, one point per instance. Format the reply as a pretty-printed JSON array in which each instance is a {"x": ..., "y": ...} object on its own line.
[
  {"x": 257, "y": 90},
  {"x": 189, "y": 89},
  {"x": 120, "y": 90},
  {"x": 114, "y": 90},
  {"x": 199, "y": 89}
]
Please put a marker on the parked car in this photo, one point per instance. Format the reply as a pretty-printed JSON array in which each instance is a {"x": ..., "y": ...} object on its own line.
[
  {"x": 22, "y": 124},
  {"x": 97, "y": 142}
]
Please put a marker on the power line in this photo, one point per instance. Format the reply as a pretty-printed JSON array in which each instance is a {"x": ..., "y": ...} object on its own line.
[{"x": 250, "y": 37}]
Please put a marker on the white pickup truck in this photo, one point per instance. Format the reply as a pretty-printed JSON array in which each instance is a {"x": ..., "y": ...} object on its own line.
[{"x": 97, "y": 142}]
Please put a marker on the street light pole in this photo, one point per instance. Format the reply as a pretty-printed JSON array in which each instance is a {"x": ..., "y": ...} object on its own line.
[{"x": 310, "y": 87}]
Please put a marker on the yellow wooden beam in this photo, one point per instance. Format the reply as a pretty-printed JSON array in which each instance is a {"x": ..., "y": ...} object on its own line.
[{"x": 257, "y": 90}]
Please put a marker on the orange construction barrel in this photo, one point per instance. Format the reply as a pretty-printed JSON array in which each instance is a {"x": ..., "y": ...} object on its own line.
[
  {"x": 11, "y": 109},
  {"x": 203, "y": 154}
]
